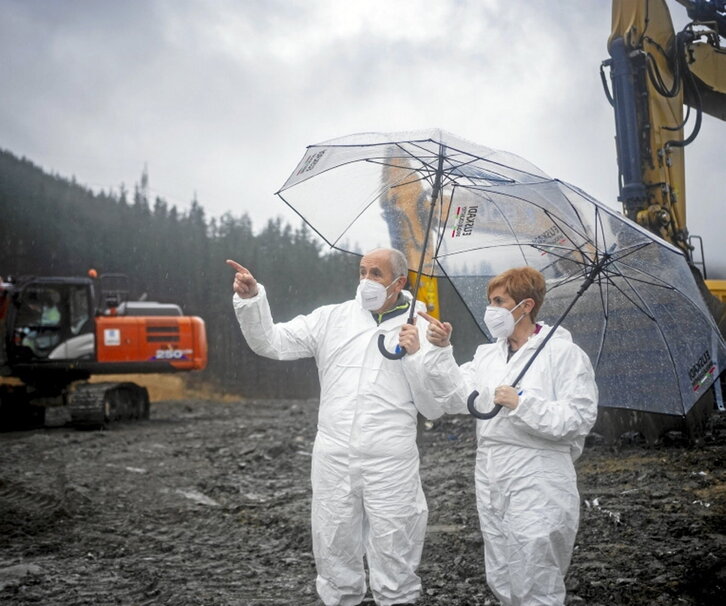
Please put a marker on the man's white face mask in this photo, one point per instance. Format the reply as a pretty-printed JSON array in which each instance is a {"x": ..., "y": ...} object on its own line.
[
  {"x": 500, "y": 321},
  {"x": 372, "y": 295}
]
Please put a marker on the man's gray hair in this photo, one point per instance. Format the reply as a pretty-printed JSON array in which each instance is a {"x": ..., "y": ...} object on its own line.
[{"x": 399, "y": 263}]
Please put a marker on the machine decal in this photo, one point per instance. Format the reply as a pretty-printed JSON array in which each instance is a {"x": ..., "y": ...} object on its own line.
[
  {"x": 310, "y": 162},
  {"x": 111, "y": 336},
  {"x": 703, "y": 370},
  {"x": 552, "y": 236},
  {"x": 172, "y": 354},
  {"x": 465, "y": 218}
]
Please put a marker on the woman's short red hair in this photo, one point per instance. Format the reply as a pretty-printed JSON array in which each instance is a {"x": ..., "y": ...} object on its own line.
[{"x": 521, "y": 283}]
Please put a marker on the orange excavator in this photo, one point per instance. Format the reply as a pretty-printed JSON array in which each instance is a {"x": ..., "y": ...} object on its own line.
[{"x": 56, "y": 332}]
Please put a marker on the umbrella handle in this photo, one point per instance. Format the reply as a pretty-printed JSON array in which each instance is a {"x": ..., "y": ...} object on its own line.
[
  {"x": 396, "y": 355},
  {"x": 481, "y": 415}
]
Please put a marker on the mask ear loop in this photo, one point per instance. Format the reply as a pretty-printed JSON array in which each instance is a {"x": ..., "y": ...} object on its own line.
[{"x": 526, "y": 313}]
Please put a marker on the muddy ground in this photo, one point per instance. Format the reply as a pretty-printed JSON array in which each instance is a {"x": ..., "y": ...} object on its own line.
[{"x": 208, "y": 503}]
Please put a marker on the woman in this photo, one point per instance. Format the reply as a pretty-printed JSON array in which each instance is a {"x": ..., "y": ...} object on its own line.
[{"x": 526, "y": 486}]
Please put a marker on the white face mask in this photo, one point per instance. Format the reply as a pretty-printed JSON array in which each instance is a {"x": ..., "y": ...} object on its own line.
[
  {"x": 500, "y": 321},
  {"x": 372, "y": 295}
]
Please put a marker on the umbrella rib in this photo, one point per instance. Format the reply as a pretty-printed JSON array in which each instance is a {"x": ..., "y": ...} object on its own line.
[
  {"x": 354, "y": 219},
  {"x": 431, "y": 170},
  {"x": 553, "y": 217},
  {"x": 560, "y": 222},
  {"x": 411, "y": 170},
  {"x": 502, "y": 176},
  {"x": 608, "y": 281},
  {"x": 443, "y": 220},
  {"x": 327, "y": 170},
  {"x": 463, "y": 298},
  {"x": 655, "y": 282},
  {"x": 488, "y": 179},
  {"x": 657, "y": 325},
  {"x": 544, "y": 210},
  {"x": 636, "y": 299},
  {"x": 279, "y": 194},
  {"x": 605, "y": 305}
]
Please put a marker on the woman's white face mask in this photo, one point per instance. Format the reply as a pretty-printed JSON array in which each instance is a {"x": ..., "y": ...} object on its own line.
[
  {"x": 372, "y": 295},
  {"x": 500, "y": 320}
]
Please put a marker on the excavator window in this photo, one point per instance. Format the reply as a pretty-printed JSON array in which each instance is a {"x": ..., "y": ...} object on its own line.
[
  {"x": 80, "y": 312},
  {"x": 38, "y": 322}
]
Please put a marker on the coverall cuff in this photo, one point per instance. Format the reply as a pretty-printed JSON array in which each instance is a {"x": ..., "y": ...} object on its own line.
[
  {"x": 434, "y": 354},
  {"x": 238, "y": 302}
]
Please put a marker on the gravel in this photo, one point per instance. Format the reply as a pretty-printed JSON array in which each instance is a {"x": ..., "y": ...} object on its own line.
[{"x": 208, "y": 503}]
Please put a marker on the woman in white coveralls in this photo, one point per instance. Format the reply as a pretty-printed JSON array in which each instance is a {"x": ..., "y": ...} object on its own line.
[
  {"x": 526, "y": 486},
  {"x": 367, "y": 496}
]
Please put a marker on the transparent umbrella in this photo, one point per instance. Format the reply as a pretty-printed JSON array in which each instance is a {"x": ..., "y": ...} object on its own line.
[
  {"x": 628, "y": 297},
  {"x": 373, "y": 190},
  {"x": 468, "y": 212}
]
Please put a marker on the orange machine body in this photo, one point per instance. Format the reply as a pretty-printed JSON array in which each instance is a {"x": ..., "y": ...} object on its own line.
[{"x": 179, "y": 341}]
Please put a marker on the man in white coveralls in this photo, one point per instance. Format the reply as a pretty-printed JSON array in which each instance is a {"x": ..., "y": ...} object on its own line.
[
  {"x": 526, "y": 487},
  {"x": 367, "y": 497}
]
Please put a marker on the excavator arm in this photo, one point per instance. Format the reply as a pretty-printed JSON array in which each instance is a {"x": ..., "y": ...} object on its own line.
[
  {"x": 654, "y": 73},
  {"x": 405, "y": 208}
]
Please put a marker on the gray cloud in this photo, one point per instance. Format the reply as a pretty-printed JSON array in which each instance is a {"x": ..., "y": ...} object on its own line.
[{"x": 222, "y": 98}]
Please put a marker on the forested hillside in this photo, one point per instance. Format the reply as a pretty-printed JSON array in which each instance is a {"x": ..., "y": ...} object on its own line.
[{"x": 52, "y": 226}]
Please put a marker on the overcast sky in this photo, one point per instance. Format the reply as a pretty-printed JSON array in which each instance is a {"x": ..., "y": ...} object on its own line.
[{"x": 219, "y": 98}]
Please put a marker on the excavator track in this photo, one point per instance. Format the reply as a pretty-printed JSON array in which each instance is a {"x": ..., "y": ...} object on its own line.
[{"x": 96, "y": 405}]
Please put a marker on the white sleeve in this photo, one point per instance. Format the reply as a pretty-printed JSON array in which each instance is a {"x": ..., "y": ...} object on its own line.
[
  {"x": 413, "y": 369},
  {"x": 447, "y": 383},
  {"x": 291, "y": 340},
  {"x": 572, "y": 411}
]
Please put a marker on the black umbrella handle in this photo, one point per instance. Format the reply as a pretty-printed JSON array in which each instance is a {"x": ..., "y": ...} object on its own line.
[
  {"x": 398, "y": 353},
  {"x": 478, "y": 414}
]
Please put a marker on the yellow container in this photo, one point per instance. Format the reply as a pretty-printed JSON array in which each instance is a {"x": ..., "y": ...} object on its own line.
[{"x": 428, "y": 292}]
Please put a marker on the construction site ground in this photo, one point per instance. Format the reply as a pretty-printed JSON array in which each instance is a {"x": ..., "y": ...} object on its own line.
[{"x": 208, "y": 503}]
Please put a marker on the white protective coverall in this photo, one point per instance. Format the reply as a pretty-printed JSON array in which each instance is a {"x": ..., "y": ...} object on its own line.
[
  {"x": 367, "y": 495},
  {"x": 527, "y": 497}
]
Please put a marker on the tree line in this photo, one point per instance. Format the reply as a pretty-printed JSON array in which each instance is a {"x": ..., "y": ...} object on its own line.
[{"x": 53, "y": 226}]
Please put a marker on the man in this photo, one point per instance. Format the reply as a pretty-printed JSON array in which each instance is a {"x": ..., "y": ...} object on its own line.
[
  {"x": 367, "y": 496},
  {"x": 525, "y": 479}
]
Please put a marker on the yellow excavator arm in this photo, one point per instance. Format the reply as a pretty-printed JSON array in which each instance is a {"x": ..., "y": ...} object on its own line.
[
  {"x": 406, "y": 207},
  {"x": 654, "y": 72}
]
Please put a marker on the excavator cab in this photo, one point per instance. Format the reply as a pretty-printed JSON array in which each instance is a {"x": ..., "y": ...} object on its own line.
[{"x": 48, "y": 318}]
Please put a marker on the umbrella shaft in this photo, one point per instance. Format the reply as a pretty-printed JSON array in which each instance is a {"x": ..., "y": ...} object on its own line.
[{"x": 435, "y": 191}]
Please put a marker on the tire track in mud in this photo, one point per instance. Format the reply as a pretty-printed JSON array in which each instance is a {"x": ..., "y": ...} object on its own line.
[{"x": 146, "y": 535}]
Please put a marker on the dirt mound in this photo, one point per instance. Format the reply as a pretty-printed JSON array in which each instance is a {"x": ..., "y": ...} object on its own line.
[
  {"x": 163, "y": 387},
  {"x": 208, "y": 503}
]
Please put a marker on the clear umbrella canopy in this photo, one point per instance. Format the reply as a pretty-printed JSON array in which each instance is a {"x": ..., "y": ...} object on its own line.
[
  {"x": 371, "y": 190},
  {"x": 653, "y": 343},
  {"x": 469, "y": 212}
]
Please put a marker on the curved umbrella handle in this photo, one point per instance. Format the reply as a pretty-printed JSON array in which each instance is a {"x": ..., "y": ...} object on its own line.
[
  {"x": 481, "y": 415},
  {"x": 396, "y": 355}
]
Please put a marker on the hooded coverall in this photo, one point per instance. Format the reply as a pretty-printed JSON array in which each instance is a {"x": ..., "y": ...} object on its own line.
[
  {"x": 526, "y": 487},
  {"x": 367, "y": 495}
]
